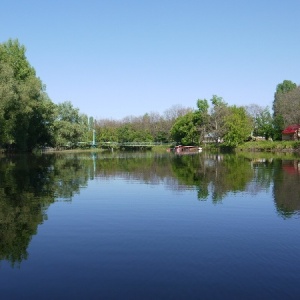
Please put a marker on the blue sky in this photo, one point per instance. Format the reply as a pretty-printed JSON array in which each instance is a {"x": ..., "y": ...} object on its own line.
[{"x": 116, "y": 58}]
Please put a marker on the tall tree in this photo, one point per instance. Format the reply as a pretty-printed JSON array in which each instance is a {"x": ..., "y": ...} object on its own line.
[
  {"x": 202, "y": 118},
  {"x": 218, "y": 114},
  {"x": 288, "y": 105},
  {"x": 23, "y": 100},
  {"x": 281, "y": 105}
]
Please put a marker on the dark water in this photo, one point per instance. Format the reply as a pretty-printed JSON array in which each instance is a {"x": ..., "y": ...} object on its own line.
[{"x": 142, "y": 226}]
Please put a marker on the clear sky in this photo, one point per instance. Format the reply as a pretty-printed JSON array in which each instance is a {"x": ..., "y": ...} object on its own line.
[{"x": 116, "y": 58}]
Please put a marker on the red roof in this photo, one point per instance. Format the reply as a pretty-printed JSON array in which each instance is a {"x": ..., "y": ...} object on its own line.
[{"x": 291, "y": 129}]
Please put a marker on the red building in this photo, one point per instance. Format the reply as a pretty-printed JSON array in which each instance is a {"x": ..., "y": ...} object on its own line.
[{"x": 291, "y": 133}]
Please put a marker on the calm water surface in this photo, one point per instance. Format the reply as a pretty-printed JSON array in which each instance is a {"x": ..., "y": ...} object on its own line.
[{"x": 145, "y": 226}]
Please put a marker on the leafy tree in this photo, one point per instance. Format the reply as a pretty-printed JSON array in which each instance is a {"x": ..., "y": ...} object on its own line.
[
  {"x": 12, "y": 53},
  {"x": 70, "y": 126},
  {"x": 262, "y": 121},
  {"x": 285, "y": 87},
  {"x": 218, "y": 115},
  {"x": 278, "y": 126},
  {"x": 282, "y": 106},
  {"x": 106, "y": 130},
  {"x": 202, "y": 118},
  {"x": 264, "y": 124},
  {"x": 25, "y": 109},
  {"x": 7, "y": 94},
  {"x": 238, "y": 126},
  {"x": 190, "y": 128},
  {"x": 126, "y": 133},
  {"x": 184, "y": 131},
  {"x": 169, "y": 118}
]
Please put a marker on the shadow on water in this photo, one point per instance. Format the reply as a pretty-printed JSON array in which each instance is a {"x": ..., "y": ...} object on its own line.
[{"x": 29, "y": 184}]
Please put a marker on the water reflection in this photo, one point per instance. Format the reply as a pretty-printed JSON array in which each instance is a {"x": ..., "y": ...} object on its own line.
[
  {"x": 287, "y": 187},
  {"x": 29, "y": 184}
]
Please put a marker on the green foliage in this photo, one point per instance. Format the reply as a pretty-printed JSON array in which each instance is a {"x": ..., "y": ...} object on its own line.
[
  {"x": 127, "y": 133},
  {"x": 203, "y": 106},
  {"x": 70, "y": 127},
  {"x": 270, "y": 146},
  {"x": 217, "y": 101},
  {"x": 264, "y": 124},
  {"x": 12, "y": 53},
  {"x": 29, "y": 119},
  {"x": 28, "y": 186},
  {"x": 285, "y": 87},
  {"x": 219, "y": 111},
  {"x": 184, "y": 131},
  {"x": 278, "y": 126},
  {"x": 107, "y": 134},
  {"x": 238, "y": 127},
  {"x": 190, "y": 128},
  {"x": 202, "y": 118},
  {"x": 26, "y": 112},
  {"x": 215, "y": 176}
]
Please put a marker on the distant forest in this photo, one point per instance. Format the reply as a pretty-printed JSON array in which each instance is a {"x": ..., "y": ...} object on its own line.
[{"x": 30, "y": 120}]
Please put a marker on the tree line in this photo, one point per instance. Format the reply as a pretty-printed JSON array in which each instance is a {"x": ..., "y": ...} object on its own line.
[
  {"x": 29, "y": 119},
  {"x": 213, "y": 120}
]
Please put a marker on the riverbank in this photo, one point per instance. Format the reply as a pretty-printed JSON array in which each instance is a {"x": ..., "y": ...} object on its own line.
[{"x": 270, "y": 146}]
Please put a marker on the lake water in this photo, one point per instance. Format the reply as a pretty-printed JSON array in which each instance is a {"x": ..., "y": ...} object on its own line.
[{"x": 146, "y": 226}]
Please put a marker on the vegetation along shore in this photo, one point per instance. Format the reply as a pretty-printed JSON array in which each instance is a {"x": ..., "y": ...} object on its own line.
[{"x": 30, "y": 120}]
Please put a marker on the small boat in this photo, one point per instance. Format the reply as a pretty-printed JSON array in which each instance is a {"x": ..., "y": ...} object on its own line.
[{"x": 186, "y": 149}]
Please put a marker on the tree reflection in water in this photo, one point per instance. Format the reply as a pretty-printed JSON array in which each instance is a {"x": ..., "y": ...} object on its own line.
[{"x": 29, "y": 184}]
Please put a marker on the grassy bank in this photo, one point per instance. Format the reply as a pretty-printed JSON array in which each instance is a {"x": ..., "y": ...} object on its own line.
[{"x": 269, "y": 146}]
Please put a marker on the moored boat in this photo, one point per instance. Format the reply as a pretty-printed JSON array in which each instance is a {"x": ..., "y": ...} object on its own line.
[{"x": 185, "y": 149}]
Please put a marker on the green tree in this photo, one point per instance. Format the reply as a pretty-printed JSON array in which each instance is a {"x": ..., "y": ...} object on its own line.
[
  {"x": 262, "y": 121},
  {"x": 70, "y": 127},
  {"x": 264, "y": 124},
  {"x": 25, "y": 109},
  {"x": 285, "y": 87},
  {"x": 238, "y": 126},
  {"x": 185, "y": 131},
  {"x": 218, "y": 115},
  {"x": 106, "y": 130},
  {"x": 12, "y": 53},
  {"x": 202, "y": 118}
]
